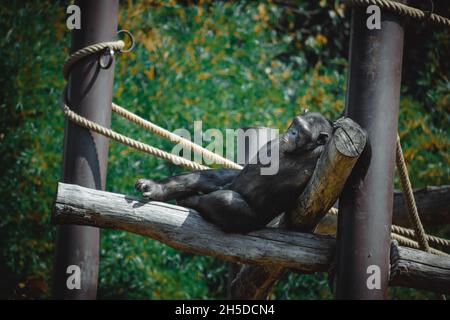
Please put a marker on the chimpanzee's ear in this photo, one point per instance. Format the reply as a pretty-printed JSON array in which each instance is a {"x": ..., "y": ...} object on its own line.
[{"x": 322, "y": 138}]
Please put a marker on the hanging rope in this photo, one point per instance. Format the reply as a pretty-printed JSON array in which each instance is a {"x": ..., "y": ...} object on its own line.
[
  {"x": 408, "y": 194},
  {"x": 173, "y": 137},
  {"x": 410, "y": 234},
  {"x": 403, "y": 10},
  {"x": 90, "y": 125}
]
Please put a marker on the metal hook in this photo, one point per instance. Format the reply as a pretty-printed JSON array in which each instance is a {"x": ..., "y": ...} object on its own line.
[
  {"x": 109, "y": 53},
  {"x": 130, "y": 36}
]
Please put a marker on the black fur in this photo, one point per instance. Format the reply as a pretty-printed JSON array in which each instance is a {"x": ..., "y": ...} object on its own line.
[{"x": 245, "y": 200}]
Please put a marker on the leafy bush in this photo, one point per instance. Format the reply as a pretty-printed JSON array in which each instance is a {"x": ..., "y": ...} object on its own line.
[{"x": 229, "y": 64}]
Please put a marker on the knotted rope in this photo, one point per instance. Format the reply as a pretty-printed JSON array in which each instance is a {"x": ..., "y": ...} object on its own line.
[{"x": 86, "y": 51}]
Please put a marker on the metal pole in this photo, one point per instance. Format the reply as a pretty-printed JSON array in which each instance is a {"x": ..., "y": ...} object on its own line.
[
  {"x": 85, "y": 153},
  {"x": 365, "y": 206}
]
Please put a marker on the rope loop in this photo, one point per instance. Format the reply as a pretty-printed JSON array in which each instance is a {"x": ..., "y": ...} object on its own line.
[
  {"x": 87, "y": 51},
  {"x": 108, "y": 49}
]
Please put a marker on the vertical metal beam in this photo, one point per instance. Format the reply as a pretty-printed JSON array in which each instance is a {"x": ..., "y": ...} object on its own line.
[
  {"x": 85, "y": 154},
  {"x": 365, "y": 206}
]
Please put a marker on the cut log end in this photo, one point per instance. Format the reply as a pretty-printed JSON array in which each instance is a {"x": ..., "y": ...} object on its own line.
[{"x": 350, "y": 138}]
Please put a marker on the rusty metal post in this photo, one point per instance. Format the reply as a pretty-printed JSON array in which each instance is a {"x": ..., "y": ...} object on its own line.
[
  {"x": 85, "y": 154},
  {"x": 365, "y": 206}
]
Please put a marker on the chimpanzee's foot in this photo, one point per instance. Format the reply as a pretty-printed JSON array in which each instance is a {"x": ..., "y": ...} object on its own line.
[{"x": 151, "y": 189}]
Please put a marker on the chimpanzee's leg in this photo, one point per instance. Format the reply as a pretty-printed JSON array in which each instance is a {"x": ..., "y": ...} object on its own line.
[
  {"x": 187, "y": 184},
  {"x": 226, "y": 209}
]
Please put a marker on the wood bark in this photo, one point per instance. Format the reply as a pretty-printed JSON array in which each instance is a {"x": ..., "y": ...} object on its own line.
[
  {"x": 420, "y": 270},
  {"x": 184, "y": 229},
  {"x": 433, "y": 204}
]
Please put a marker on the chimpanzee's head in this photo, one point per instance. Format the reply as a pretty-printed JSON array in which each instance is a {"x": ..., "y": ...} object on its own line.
[{"x": 306, "y": 132}]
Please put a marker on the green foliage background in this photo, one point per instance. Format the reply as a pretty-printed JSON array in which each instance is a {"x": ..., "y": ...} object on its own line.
[{"x": 228, "y": 63}]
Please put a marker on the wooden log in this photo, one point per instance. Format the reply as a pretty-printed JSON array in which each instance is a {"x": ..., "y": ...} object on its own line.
[
  {"x": 433, "y": 204},
  {"x": 332, "y": 170},
  {"x": 184, "y": 229},
  {"x": 254, "y": 282},
  {"x": 328, "y": 225},
  {"x": 420, "y": 270}
]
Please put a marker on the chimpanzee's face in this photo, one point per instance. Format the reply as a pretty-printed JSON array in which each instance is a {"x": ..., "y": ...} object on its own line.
[{"x": 306, "y": 132}]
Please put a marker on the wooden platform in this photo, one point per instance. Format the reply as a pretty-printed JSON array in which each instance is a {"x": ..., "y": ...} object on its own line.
[{"x": 185, "y": 230}]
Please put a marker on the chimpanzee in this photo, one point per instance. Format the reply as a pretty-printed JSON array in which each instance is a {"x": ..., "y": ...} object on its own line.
[{"x": 246, "y": 200}]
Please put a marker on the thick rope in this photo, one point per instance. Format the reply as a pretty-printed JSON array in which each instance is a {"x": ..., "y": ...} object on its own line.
[
  {"x": 410, "y": 234},
  {"x": 413, "y": 244},
  {"x": 394, "y": 258},
  {"x": 333, "y": 212},
  {"x": 408, "y": 194},
  {"x": 90, "y": 125},
  {"x": 86, "y": 51},
  {"x": 119, "y": 45},
  {"x": 403, "y": 10},
  {"x": 174, "y": 138}
]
